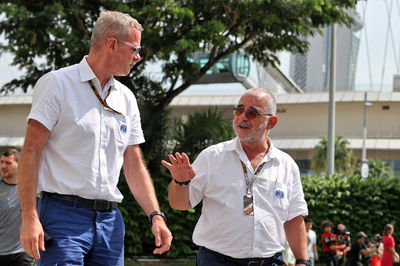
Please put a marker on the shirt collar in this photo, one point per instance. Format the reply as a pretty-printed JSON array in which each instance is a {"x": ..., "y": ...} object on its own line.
[
  {"x": 237, "y": 146},
  {"x": 86, "y": 74}
]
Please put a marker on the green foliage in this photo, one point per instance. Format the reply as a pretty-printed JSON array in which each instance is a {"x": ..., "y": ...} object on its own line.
[
  {"x": 202, "y": 129},
  {"x": 344, "y": 159},
  {"x": 58, "y": 32},
  {"x": 378, "y": 169},
  {"x": 362, "y": 205}
]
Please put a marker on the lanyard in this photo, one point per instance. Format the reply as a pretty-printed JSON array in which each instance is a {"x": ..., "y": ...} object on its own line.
[
  {"x": 103, "y": 102},
  {"x": 249, "y": 183}
]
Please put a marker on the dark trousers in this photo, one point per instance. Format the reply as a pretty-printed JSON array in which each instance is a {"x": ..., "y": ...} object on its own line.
[
  {"x": 17, "y": 259},
  {"x": 342, "y": 261},
  {"x": 206, "y": 257},
  {"x": 330, "y": 259}
]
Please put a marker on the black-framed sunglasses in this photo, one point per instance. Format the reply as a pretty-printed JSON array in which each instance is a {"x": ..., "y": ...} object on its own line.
[{"x": 250, "y": 113}]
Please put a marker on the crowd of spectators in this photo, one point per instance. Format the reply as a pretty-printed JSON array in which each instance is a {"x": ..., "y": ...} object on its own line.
[{"x": 340, "y": 247}]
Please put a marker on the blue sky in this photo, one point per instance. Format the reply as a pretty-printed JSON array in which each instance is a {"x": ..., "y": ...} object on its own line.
[{"x": 373, "y": 35}]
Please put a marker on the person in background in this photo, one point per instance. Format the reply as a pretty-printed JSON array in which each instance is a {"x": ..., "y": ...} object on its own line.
[
  {"x": 376, "y": 247},
  {"x": 83, "y": 127},
  {"x": 11, "y": 251},
  {"x": 343, "y": 240},
  {"x": 311, "y": 241},
  {"x": 389, "y": 252},
  {"x": 251, "y": 192},
  {"x": 329, "y": 244},
  {"x": 358, "y": 248}
]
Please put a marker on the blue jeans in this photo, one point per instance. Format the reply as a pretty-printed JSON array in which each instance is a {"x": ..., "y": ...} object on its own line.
[{"x": 80, "y": 235}]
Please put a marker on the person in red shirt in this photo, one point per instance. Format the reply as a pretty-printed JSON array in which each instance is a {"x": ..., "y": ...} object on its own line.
[
  {"x": 330, "y": 246},
  {"x": 389, "y": 251},
  {"x": 342, "y": 239}
]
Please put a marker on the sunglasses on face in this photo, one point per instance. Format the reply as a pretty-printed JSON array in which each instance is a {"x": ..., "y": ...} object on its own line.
[
  {"x": 250, "y": 113},
  {"x": 135, "y": 48}
]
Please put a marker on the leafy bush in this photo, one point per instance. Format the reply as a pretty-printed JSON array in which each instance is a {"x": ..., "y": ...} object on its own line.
[{"x": 362, "y": 205}]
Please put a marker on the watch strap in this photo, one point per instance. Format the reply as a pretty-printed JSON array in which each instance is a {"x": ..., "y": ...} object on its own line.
[
  {"x": 154, "y": 213},
  {"x": 303, "y": 261},
  {"x": 182, "y": 184}
]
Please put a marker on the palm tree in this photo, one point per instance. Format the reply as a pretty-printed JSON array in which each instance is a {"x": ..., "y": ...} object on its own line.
[
  {"x": 344, "y": 158},
  {"x": 200, "y": 130}
]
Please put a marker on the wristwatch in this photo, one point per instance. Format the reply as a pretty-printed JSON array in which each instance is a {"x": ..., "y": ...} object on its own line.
[
  {"x": 303, "y": 261},
  {"x": 182, "y": 184},
  {"x": 154, "y": 213}
]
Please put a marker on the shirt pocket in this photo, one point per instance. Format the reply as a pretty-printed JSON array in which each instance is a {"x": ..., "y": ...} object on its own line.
[
  {"x": 122, "y": 129},
  {"x": 279, "y": 199}
]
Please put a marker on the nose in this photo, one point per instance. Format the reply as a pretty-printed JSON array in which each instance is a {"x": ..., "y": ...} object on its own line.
[
  {"x": 243, "y": 116},
  {"x": 137, "y": 57}
]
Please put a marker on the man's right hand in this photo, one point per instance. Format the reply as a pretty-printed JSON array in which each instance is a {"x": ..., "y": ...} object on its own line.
[
  {"x": 180, "y": 167},
  {"x": 32, "y": 236}
]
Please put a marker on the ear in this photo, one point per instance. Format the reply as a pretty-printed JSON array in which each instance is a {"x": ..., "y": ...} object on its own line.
[
  {"x": 272, "y": 121},
  {"x": 110, "y": 43}
]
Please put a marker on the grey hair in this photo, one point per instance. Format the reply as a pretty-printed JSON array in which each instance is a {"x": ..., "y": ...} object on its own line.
[
  {"x": 263, "y": 93},
  {"x": 113, "y": 24}
]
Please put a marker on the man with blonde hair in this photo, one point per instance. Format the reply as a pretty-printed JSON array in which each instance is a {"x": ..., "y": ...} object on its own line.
[
  {"x": 83, "y": 127},
  {"x": 251, "y": 192}
]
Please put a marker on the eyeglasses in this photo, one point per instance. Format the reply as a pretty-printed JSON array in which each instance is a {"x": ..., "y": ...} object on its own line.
[
  {"x": 136, "y": 49},
  {"x": 250, "y": 114}
]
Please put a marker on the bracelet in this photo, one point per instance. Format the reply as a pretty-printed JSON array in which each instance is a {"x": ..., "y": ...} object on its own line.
[
  {"x": 182, "y": 184},
  {"x": 154, "y": 213}
]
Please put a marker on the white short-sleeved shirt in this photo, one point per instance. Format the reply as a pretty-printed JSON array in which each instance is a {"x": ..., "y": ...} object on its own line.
[
  {"x": 220, "y": 185},
  {"x": 311, "y": 240},
  {"x": 84, "y": 152}
]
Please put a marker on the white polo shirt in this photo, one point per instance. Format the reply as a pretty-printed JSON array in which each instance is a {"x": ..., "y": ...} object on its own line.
[
  {"x": 219, "y": 183},
  {"x": 84, "y": 152}
]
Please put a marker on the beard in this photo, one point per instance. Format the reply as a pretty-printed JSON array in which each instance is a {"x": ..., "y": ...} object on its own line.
[{"x": 256, "y": 136}]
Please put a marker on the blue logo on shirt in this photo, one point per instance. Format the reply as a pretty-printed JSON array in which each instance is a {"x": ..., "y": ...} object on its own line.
[
  {"x": 279, "y": 194},
  {"x": 123, "y": 128}
]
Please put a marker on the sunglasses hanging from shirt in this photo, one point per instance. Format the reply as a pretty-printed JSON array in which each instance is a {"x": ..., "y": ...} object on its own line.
[{"x": 103, "y": 102}]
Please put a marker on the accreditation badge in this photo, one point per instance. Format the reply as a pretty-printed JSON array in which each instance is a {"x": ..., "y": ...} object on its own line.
[{"x": 248, "y": 208}]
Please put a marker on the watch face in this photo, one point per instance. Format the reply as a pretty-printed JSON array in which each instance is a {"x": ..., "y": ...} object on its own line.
[{"x": 154, "y": 213}]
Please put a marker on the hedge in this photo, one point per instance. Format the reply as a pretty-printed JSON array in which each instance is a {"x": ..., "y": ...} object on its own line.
[{"x": 362, "y": 205}]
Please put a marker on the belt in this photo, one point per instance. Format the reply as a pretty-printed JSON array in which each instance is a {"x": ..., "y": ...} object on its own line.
[
  {"x": 96, "y": 205},
  {"x": 275, "y": 259}
]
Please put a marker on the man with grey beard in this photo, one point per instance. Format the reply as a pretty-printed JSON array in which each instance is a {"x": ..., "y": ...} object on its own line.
[{"x": 251, "y": 192}]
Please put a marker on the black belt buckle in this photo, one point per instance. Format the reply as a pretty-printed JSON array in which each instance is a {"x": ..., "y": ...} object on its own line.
[{"x": 101, "y": 205}]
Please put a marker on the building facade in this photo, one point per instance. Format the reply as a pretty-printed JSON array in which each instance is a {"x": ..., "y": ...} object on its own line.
[{"x": 311, "y": 70}]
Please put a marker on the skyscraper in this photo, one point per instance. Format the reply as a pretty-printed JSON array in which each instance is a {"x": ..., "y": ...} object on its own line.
[{"x": 311, "y": 70}]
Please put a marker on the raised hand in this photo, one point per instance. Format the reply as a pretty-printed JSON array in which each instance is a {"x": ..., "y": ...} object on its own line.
[{"x": 180, "y": 167}]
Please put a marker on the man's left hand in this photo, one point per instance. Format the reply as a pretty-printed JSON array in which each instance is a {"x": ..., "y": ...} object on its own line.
[{"x": 162, "y": 235}]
